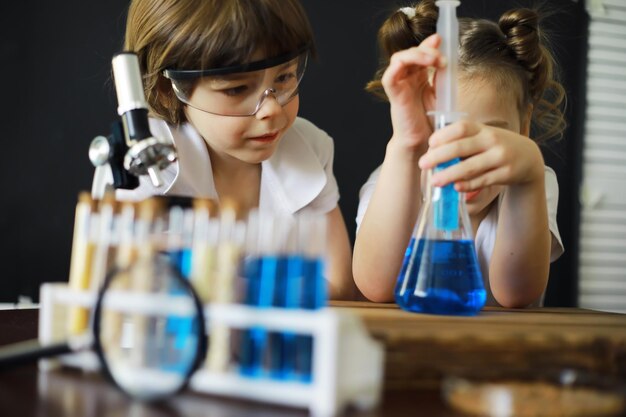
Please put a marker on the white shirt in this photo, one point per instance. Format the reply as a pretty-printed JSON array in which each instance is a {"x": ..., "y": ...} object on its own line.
[
  {"x": 298, "y": 177},
  {"x": 486, "y": 234}
]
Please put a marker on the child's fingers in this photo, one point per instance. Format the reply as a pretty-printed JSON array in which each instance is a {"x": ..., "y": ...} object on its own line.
[
  {"x": 432, "y": 41},
  {"x": 457, "y": 130},
  {"x": 489, "y": 178},
  {"x": 466, "y": 170},
  {"x": 403, "y": 62},
  {"x": 462, "y": 148}
]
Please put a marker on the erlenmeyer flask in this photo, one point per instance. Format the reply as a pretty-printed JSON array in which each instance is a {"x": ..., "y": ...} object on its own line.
[{"x": 440, "y": 273}]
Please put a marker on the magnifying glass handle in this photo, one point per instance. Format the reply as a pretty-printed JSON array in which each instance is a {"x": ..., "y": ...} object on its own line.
[{"x": 22, "y": 353}]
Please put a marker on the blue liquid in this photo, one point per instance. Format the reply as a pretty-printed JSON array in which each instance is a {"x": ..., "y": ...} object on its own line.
[
  {"x": 280, "y": 352},
  {"x": 180, "y": 329},
  {"x": 314, "y": 297},
  {"x": 444, "y": 278},
  {"x": 269, "y": 285},
  {"x": 172, "y": 341},
  {"x": 314, "y": 291},
  {"x": 181, "y": 260},
  {"x": 285, "y": 282},
  {"x": 446, "y": 208},
  {"x": 253, "y": 340}
]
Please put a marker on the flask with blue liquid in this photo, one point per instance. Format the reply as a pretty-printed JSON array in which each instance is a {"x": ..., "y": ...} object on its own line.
[{"x": 440, "y": 273}]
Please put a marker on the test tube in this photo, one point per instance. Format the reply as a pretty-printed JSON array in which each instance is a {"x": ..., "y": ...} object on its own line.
[
  {"x": 112, "y": 321},
  {"x": 174, "y": 241},
  {"x": 126, "y": 251},
  {"x": 149, "y": 229},
  {"x": 178, "y": 248},
  {"x": 287, "y": 294},
  {"x": 81, "y": 260},
  {"x": 203, "y": 247},
  {"x": 312, "y": 244},
  {"x": 104, "y": 254},
  {"x": 230, "y": 242},
  {"x": 260, "y": 281},
  {"x": 227, "y": 269}
]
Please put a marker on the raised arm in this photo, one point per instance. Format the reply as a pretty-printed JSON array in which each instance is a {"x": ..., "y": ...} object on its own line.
[{"x": 392, "y": 211}]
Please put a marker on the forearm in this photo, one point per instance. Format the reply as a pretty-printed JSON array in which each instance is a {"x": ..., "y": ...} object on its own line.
[
  {"x": 339, "y": 272},
  {"x": 387, "y": 225},
  {"x": 340, "y": 283},
  {"x": 520, "y": 262}
]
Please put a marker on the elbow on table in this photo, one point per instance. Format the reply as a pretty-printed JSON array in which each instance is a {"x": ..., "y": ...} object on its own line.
[
  {"x": 510, "y": 299},
  {"x": 372, "y": 288},
  {"x": 521, "y": 288},
  {"x": 378, "y": 297},
  {"x": 343, "y": 292}
]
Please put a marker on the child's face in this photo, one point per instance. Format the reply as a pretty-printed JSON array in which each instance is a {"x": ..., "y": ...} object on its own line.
[
  {"x": 251, "y": 139},
  {"x": 485, "y": 103}
]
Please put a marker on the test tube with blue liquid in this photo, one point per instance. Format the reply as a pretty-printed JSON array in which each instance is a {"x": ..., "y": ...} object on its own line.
[
  {"x": 179, "y": 234},
  {"x": 286, "y": 264},
  {"x": 259, "y": 276},
  {"x": 312, "y": 243},
  {"x": 440, "y": 273}
]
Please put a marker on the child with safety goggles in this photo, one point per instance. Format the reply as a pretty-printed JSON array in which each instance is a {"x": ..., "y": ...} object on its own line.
[{"x": 221, "y": 80}]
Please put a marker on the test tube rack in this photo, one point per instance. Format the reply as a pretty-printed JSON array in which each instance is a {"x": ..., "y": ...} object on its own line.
[{"x": 347, "y": 366}]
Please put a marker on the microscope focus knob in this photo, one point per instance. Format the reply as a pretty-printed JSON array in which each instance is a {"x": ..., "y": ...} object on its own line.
[{"x": 99, "y": 151}]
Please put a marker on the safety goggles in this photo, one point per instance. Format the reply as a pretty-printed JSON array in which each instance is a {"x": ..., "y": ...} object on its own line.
[{"x": 240, "y": 90}]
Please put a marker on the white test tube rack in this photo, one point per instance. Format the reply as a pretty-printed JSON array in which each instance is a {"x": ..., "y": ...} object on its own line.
[{"x": 347, "y": 367}]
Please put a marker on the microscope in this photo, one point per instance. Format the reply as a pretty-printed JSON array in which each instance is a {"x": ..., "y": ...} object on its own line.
[{"x": 130, "y": 150}]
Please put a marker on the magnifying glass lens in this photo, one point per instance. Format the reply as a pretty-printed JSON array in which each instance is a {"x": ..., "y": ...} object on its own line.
[{"x": 149, "y": 329}]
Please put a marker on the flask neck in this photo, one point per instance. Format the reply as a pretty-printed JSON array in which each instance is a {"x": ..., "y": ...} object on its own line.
[{"x": 443, "y": 213}]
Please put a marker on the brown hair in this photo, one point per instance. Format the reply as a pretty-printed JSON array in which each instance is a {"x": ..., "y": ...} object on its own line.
[
  {"x": 512, "y": 51},
  {"x": 200, "y": 34}
]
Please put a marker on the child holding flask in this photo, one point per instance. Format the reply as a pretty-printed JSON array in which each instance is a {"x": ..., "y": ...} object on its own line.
[{"x": 506, "y": 83}]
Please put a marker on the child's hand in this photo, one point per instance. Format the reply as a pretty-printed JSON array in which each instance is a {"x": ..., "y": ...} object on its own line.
[
  {"x": 406, "y": 84},
  {"x": 490, "y": 156}
]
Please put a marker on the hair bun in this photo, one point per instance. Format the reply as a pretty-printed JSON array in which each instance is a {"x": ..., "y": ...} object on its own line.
[
  {"x": 424, "y": 21},
  {"x": 521, "y": 29},
  {"x": 408, "y": 27}
]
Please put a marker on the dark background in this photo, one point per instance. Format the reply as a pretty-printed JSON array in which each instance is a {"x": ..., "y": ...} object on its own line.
[{"x": 57, "y": 96}]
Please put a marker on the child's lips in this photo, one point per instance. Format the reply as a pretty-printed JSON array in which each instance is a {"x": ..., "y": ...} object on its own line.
[
  {"x": 270, "y": 137},
  {"x": 470, "y": 195}
]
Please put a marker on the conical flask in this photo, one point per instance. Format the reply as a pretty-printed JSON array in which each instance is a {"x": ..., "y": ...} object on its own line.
[{"x": 440, "y": 273}]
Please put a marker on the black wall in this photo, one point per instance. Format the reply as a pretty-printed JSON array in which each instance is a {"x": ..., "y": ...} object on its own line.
[{"x": 55, "y": 66}]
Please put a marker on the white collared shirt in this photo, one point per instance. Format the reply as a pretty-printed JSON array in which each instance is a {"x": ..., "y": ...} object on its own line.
[{"x": 298, "y": 177}]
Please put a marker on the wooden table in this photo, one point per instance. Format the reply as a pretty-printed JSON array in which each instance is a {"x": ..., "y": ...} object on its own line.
[
  {"x": 419, "y": 352},
  {"x": 422, "y": 349}
]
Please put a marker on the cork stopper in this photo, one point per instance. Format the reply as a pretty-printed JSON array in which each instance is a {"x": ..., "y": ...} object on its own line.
[
  {"x": 230, "y": 208},
  {"x": 84, "y": 198},
  {"x": 206, "y": 204},
  {"x": 128, "y": 204},
  {"x": 151, "y": 208},
  {"x": 108, "y": 200}
]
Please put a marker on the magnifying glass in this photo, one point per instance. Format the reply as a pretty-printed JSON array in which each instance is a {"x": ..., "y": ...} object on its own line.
[{"x": 148, "y": 331}]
